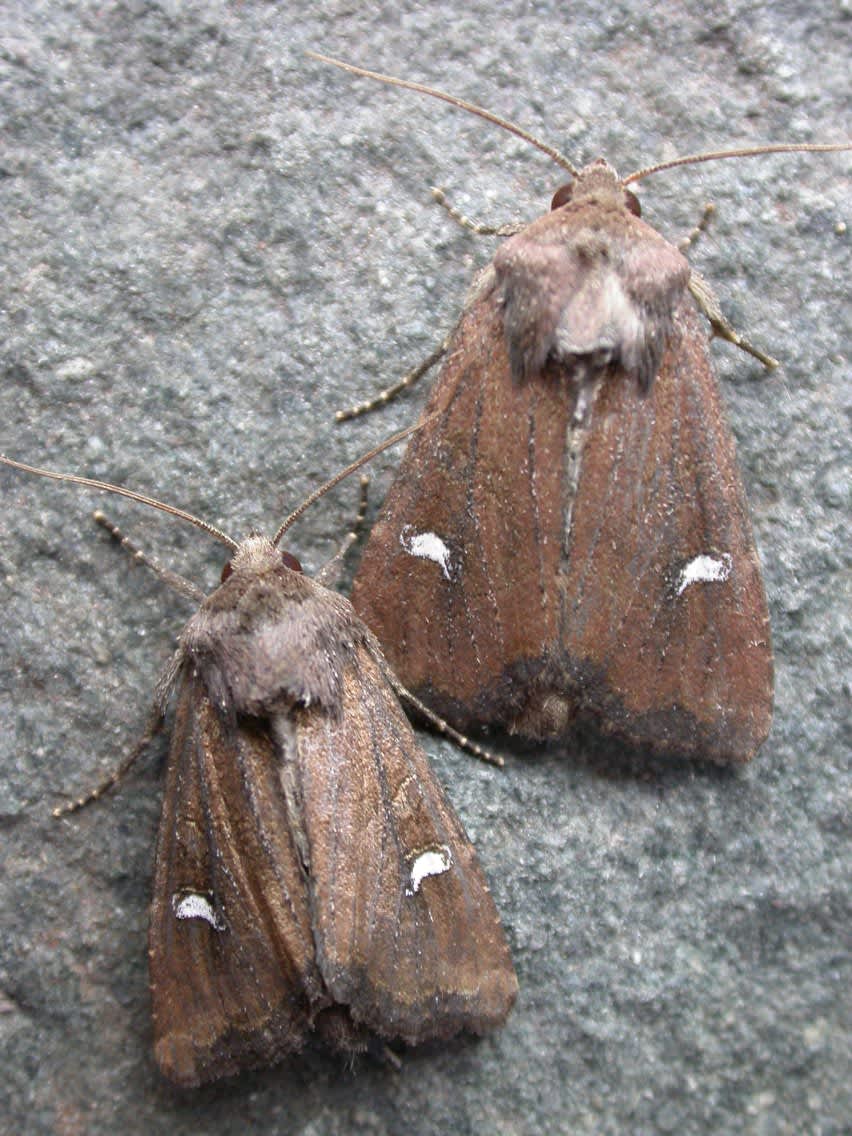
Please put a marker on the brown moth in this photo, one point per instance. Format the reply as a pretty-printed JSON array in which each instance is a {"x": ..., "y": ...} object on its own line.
[
  {"x": 568, "y": 534},
  {"x": 310, "y": 875}
]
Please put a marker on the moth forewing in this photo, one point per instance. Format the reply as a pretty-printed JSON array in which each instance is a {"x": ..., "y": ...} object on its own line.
[
  {"x": 573, "y": 591},
  {"x": 397, "y": 851},
  {"x": 234, "y": 980},
  {"x": 674, "y": 650}
]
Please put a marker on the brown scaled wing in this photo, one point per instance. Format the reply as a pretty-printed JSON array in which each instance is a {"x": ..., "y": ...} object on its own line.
[
  {"x": 412, "y": 958},
  {"x": 243, "y": 993},
  {"x": 485, "y": 477},
  {"x": 530, "y": 623},
  {"x": 669, "y": 660}
]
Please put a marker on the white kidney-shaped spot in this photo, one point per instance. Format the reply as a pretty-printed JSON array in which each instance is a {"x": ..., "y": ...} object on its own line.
[
  {"x": 704, "y": 570},
  {"x": 196, "y": 905},
  {"x": 428, "y": 546},
  {"x": 429, "y": 862}
]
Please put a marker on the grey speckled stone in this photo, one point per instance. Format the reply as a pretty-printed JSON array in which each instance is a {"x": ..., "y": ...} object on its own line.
[{"x": 208, "y": 244}]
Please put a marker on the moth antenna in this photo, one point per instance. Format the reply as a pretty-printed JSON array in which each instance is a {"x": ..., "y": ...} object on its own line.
[
  {"x": 747, "y": 152},
  {"x": 453, "y": 100},
  {"x": 701, "y": 227},
  {"x": 390, "y": 393},
  {"x": 338, "y": 477},
  {"x": 119, "y": 490}
]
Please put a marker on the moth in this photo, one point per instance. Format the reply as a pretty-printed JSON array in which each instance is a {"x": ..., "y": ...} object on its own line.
[
  {"x": 568, "y": 536},
  {"x": 311, "y": 877}
]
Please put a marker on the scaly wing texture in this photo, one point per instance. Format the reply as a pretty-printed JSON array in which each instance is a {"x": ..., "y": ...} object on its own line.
[
  {"x": 407, "y": 934},
  {"x": 526, "y": 623},
  {"x": 665, "y": 629},
  {"x": 234, "y": 981},
  {"x": 483, "y": 481}
]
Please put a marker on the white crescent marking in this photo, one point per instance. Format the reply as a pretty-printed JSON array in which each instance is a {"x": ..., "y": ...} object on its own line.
[
  {"x": 192, "y": 905},
  {"x": 428, "y": 546},
  {"x": 432, "y": 862},
  {"x": 705, "y": 570}
]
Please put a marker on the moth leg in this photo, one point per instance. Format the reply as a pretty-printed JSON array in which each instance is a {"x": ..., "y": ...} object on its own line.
[
  {"x": 390, "y": 393},
  {"x": 703, "y": 295},
  {"x": 155, "y": 724},
  {"x": 340, "y": 1033},
  {"x": 172, "y": 579},
  {"x": 389, "y": 1057},
  {"x": 329, "y": 574},
  {"x": 706, "y": 299},
  {"x": 702, "y": 226},
  {"x": 155, "y": 720},
  {"x": 440, "y": 724},
  {"x": 474, "y": 226}
]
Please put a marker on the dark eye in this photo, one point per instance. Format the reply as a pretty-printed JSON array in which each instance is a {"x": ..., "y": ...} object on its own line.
[
  {"x": 563, "y": 195},
  {"x": 632, "y": 203},
  {"x": 226, "y": 572},
  {"x": 290, "y": 561}
]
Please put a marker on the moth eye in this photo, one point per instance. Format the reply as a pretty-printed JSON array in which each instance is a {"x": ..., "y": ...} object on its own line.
[
  {"x": 226, "y": 572},
  {"x": 563, "y": 195},
  {"x": 632, "y": 203},
  {"x": 290, "y": 561}
]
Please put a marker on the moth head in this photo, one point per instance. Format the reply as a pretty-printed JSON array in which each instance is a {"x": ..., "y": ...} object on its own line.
[
  {"x": 255, "y": 551},
  {"x": 598, "y": 180}
]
